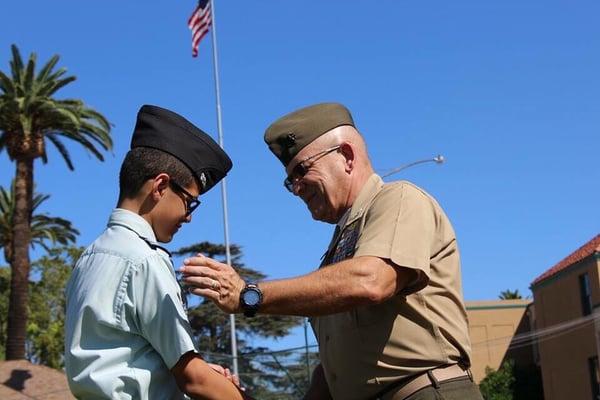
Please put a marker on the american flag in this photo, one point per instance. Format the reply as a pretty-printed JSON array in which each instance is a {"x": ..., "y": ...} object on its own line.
[{"x": 199, "y": 23}]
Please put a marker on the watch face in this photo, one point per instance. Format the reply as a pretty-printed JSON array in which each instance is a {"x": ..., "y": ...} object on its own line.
[{"x": 251, "y": 298}]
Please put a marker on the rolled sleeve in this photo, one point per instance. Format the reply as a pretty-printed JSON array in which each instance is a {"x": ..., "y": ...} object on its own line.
[{"x": 399, "y": 226}]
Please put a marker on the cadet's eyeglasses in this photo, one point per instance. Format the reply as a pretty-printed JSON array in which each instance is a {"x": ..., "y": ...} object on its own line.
[
  {"x": 191, "y": 202},
  {"x": 300, "y": 169}
]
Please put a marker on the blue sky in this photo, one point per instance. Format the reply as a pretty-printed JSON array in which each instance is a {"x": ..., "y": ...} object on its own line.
[{"x": 508, "y": 91}]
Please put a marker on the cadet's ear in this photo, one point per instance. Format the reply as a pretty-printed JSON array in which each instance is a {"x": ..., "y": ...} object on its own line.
[
  {"x": 160, "y": 183},
  {"x": 349, "y": 154}
]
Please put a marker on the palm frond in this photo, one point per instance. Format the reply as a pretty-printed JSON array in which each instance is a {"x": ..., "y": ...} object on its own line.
[
  {"x": 47, "y": 68},
  {"x": 84, "y": 142},
  {"x": 53, "y": 229},
  {"x": 60, "y": 84},
  {"x": 38, "y": 199},
  {"x": 91, "y": 114},
  {"x": 97, "y": 134},
  {"x": 44, "y": 228},
  {"x": 29, "y": 74},
  {"x": 55, "y": 75},
  {"x": 6, "y": 202},
  {"x": 6, "y": 84},
  {"x": 16, "y": 63},
  {"x": 61, "y": 149}
]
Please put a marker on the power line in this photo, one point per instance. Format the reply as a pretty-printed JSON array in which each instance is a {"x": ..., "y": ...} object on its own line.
[
  {"x": 258, "y": 353},
  {"x": 541, "y": 335}
]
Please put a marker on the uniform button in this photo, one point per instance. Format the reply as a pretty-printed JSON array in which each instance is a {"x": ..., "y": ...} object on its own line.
[
  {"x": 327, "y": 338},
  {"x": 333, "y": 376}
]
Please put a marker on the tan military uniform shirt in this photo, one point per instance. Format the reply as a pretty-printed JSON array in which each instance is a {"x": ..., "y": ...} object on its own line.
[{"x": 422, "y": 327}]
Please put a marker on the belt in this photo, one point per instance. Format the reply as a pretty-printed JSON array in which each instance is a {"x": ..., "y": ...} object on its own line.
[{"x": 431, "y": 377}]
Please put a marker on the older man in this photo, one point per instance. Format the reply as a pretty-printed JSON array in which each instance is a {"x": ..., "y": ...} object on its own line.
[{"x": 386, "y": 303}]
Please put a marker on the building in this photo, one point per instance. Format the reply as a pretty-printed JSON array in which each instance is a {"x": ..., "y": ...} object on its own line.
[
  {"x": 493, "y": 326},
  {"x": 565, "y": 298}
]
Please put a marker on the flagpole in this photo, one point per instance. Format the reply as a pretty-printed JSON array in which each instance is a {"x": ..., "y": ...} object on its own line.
[{"x": 223, "y": 182}]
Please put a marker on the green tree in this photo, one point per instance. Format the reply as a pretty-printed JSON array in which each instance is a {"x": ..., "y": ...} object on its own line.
[
  {"x": 499, "y": 385},
  {"x": 288, "y": 372},
  {"x": 211, "y": 328},
  {"x": 44, "y": 228},
  {"x": 510, "y": 294},
  {"x": 46, "y": 326},
  {"x": 31, "y": 116}
]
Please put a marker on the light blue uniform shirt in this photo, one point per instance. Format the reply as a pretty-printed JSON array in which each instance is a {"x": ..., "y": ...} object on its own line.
[{"x": 126, "y": 326}]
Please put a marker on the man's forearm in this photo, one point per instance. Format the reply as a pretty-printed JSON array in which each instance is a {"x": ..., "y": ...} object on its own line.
[
  {"x": 314, "y": 294},
  {"x": 337, "y": 288}
]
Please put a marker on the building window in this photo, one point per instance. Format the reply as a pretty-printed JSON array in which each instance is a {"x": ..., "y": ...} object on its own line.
[
  {"x": 586, "y": 294},
  {"x": 594, "y": 377}
]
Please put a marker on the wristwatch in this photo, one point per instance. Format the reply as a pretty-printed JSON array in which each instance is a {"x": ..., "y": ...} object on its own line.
[{"x": 251, "y": 299}]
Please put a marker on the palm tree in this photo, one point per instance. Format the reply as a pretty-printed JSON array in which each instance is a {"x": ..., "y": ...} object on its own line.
[
  {"x": 30, "y": 116},
  {"x": 44, "y": 228},
  {"x": 510, "y": 295}
]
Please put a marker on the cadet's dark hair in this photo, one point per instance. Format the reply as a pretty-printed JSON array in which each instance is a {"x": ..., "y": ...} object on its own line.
[{"x": 143, "y": 163}]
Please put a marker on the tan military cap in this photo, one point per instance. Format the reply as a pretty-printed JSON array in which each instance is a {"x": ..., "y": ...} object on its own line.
[{"x": 294, "y": 131}]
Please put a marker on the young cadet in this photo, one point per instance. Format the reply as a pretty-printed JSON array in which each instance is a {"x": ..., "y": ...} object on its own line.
[{"x": 127, "y": 331}]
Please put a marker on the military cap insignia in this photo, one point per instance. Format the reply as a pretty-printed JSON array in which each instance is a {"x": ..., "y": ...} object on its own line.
[
  {"x": 203, "y": 180},
  {"x": 290, "y": 139}
]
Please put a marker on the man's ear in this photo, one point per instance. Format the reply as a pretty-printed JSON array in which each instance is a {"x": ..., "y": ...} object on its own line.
[
  {"x": 347, "y": 150},
  {"x": 160, "y": 183}
]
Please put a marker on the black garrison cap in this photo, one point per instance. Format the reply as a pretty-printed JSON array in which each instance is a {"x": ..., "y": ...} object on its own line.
[
  {"x": 294, "y": 131},
  {"x": 167, "y": 131}
]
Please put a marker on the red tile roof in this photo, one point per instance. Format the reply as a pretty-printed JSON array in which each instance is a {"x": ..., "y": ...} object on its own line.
[{"x": 591, "y": 247}]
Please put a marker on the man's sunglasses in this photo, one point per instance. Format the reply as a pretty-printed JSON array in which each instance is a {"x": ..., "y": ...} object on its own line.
[
  {"x": 301, "y": 169},
  {"x": 191, "y": 202}
]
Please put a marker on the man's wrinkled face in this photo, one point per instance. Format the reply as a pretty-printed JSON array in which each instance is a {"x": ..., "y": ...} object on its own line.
[{"x": 317, "y": 184}]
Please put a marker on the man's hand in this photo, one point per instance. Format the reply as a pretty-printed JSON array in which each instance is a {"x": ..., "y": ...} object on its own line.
[{"x": 213, "y": 280}]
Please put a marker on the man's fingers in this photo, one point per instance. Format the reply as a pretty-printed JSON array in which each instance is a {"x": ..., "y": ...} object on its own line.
[
  {"x": 200, "y": 260},
  {"x": 202, "y": 282},
  {"x": 188, "y": 270},
  {"x": 207, "y": 293}
]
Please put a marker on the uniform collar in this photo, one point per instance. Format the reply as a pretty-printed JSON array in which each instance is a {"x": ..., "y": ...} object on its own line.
[
  {"x": 133, "y": 222},
  {"x": 366, "y": 194}
]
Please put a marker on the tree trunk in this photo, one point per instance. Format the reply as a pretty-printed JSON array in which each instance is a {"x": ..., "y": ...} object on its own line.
[{"x": 19, "y": 283}]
